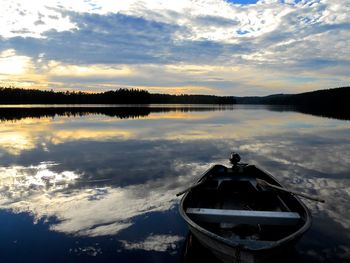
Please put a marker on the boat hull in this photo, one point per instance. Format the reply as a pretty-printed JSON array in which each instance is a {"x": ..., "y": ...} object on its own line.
[
  {"x": 227, "y": 251},
  {"x": 228, "y": 254},
  {"x": 221, "y": 250}
]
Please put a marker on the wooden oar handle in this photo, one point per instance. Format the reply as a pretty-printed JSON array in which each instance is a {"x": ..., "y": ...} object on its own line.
[
  {"x": 189, "y": 188},
  {"x": 192, "y": 186},
  {"x": 183, "y": 191},
  {"x": 264, "y": 183}
]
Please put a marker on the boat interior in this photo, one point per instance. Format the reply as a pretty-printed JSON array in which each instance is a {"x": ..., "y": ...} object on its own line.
[{"x": 230, "y": 203}]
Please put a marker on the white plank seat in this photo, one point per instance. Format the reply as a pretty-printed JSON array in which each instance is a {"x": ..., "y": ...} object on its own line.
[{"x": 248, "y": 217}]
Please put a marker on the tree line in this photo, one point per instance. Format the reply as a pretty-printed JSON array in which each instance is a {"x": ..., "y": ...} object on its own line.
[
  {"x": 333, "y": 103},
  {"x": 12, "y": 95},
  {"x": 336, "y": 97}
]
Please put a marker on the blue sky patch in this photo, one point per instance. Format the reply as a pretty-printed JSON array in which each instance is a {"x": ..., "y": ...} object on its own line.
[
  {"x": 243, "y": 2},
  {"x": 242, "y": 32}
]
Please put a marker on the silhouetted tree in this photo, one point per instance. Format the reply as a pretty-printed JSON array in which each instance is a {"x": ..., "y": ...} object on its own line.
[{"x": 10, "y": 95}]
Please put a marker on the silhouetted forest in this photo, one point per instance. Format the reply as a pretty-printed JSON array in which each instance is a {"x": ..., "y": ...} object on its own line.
[
  {"x": 333, "y": 103},
  {"x": 121, "y": 96},
  {"x": 319, "y": 98}
]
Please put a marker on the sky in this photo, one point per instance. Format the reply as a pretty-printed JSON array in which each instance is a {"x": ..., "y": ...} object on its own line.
[{"x": 219, "y": 47}]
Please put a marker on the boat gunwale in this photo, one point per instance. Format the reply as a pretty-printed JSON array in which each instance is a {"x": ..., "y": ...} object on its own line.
[{"x": 231, "y": 243}]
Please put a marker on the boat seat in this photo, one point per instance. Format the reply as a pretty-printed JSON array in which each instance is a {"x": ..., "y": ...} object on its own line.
[
  {"x": 251, "y": 179},
  {"x": 249, "y": 217}
]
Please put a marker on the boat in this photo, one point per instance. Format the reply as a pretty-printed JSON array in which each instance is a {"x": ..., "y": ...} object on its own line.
[{"x": 243, "y": 214}]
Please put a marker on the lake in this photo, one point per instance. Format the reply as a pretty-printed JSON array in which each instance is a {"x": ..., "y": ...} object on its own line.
[{"x": 82, "y": 184}]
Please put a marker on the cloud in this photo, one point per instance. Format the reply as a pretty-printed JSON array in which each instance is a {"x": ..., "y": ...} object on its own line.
[
  {"x": 19, "y": 70},
  {"x": 30, "y": 19},
  {"x": 110, "y": 39},
  {"x": 73, "y": 71},
  {"x": 160, "y": 243},
  {"x": 11, "y": 64},
  {"x": 88, "y": 211},
  {"x": 286, "y": 39}
]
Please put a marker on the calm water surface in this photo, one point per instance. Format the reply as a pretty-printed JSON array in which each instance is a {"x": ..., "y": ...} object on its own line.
[{"x": 99, "y": 185}]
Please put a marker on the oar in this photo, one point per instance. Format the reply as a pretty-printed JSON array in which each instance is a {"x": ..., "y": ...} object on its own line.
[
  {"x": 189, "y": 188},
  {"x": 264, "y": 183},
  {"x": 192, "y": 186}
]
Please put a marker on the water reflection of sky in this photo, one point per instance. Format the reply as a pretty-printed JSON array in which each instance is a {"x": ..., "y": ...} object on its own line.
[{"x": 106, "y": 186}]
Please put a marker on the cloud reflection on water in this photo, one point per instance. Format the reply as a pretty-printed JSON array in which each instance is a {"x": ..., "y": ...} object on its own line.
[
  {"x": 84, "y": 211},
  {"x": 17, "y": 183},
  {"x": 237, "y": 123},
  {"x": 161, "y": 243},
  {"x": 56, "y": 171},
  {"x": 316, "y": 164}
]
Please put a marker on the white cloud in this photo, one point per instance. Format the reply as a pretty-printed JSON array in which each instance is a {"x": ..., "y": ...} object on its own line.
[
  {"x": 31, "y": 18},
  {"x": 59, "y": 69},
  {"x": 254, "y": 20},
  {"x": 12, "y": 64}
]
